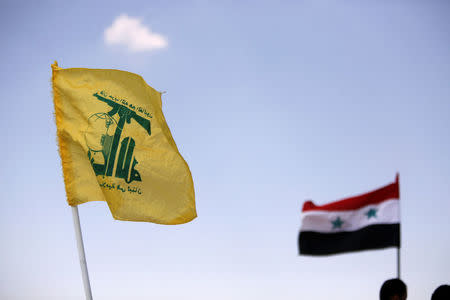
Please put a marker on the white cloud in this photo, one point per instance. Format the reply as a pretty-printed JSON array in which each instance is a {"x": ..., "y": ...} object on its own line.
[{"x": 130, "y": 32}]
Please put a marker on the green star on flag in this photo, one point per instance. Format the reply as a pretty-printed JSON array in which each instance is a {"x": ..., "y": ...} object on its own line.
[
  {"x": 371, "y": 213},
  {"x": 337, "y": 223}
]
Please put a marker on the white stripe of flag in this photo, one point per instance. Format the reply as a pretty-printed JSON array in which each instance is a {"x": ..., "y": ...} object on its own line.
[{"x": 386, "y": 212}]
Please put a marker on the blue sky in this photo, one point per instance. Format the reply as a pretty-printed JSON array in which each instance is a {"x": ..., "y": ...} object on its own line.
[{"x": 270, "y": 103}]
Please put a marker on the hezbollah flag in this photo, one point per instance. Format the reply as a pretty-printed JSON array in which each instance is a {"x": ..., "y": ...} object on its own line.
[{"x": 115, "y": 146}]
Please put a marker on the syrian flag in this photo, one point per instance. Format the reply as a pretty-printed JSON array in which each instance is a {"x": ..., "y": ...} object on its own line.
[{"x": 368, "y": 221}]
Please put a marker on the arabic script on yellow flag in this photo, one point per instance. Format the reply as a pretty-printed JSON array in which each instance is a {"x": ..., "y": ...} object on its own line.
[{"x": 115, "y": 146}]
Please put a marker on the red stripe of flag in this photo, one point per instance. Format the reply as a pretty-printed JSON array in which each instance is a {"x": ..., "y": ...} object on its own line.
[{"x": 390, "y": 191}]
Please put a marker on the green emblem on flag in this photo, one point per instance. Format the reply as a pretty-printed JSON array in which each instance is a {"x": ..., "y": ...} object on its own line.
[
  {"x": 107, "y": 145},
  {"x": 337, "y": 223},
  {"x": 371, "y": 213}
]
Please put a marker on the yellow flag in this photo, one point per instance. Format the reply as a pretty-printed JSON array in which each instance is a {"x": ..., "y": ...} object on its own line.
[{"x": 115, "y": 146}]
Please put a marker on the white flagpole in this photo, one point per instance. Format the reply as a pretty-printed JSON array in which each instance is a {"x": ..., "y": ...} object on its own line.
[
  {"x": 84, "y": 270},
  {"x": 398, "y": 262}
]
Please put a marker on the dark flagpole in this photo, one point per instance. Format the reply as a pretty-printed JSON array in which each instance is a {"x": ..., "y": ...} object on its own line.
[{"x": 397, "y": 179}]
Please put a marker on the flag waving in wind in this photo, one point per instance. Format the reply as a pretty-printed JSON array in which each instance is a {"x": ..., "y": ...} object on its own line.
[
  {"x": 115, "y": 146},
  {"x": 368, "y": 221}
]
